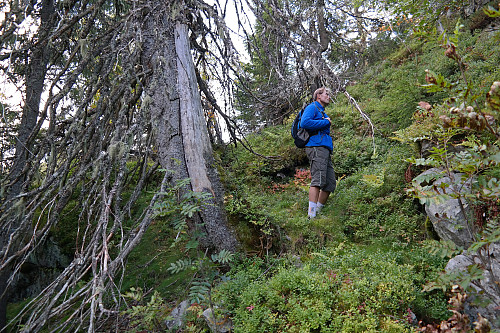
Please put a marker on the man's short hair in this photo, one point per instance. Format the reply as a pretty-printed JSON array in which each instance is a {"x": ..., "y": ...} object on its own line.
[{"x": 319, "y": 91}]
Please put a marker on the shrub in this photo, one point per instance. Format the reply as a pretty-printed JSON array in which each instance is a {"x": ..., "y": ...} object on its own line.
[
  {"x": 372, "y": 205},
  {"x": 339, "y": 290}
]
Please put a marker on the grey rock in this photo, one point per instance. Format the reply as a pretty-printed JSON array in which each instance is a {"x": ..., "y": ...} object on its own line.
[
  {"x": 487, "y": 287},
  {"x": 222, "y": 324},
  {"x": 426, "y": 147},
  {"x": 448, "y": 217},
  {"x": 41, "y": 267},
  {"x": 177, "y": 315},
  {"x": 450, "y": 223}
]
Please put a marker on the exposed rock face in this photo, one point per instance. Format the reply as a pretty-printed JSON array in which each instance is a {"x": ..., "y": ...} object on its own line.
[
  {"x": 40, "y": 269},
  {"x": 177, "y": 315},
  {"x": 426, "y": 147},
  {"x": 450, "y": 218},
  {"x": 490, "y": 260},
  {"x": 474, "y": 6},
  {"x": 222, "y": 324}
]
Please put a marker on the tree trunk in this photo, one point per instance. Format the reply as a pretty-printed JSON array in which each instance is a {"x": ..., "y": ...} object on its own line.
[
  {"x": 324, "y": 40},
  {"x": 181, "y": 133},
  {"x": 197, "y": 149},
  {"x": 35, "y": 75}
]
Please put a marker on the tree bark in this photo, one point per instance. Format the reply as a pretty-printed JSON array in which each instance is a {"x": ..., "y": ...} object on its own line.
[
  {"x": 35, "y": 75},
  {"x": 181, "y": 133},
  {"x": 324, "y": 40}
]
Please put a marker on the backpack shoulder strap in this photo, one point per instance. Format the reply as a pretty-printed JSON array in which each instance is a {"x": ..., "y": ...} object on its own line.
[{"x": 322, "y": 112}]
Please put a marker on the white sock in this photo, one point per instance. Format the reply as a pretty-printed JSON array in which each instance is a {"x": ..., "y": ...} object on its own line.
[
  {"x": 312, "y": 209},
  {"x": 319, "y": 206}
]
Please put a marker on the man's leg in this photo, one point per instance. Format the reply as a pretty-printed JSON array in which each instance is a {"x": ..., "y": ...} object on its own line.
[
  {"x": 314, "y": 193},
  {"x": 331, "y": 183},
  {"x": 313, "y": 199},
  {"x": 317, "y": 200},
  {"x": 319, "y": 158},
  {"x": 323, "y": 196}
]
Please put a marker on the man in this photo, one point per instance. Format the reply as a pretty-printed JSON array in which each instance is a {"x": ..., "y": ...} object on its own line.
[{"x": 318, "y": 150}]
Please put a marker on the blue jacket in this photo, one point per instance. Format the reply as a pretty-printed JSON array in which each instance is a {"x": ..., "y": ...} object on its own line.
[{"x": 313, "y": 119}]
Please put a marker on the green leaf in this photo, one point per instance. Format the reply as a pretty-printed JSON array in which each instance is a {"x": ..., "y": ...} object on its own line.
[
  {"x": 223, "y": 257},
  {"x": 199, "y": 291},
  {"x": 495, "y": 158},
  {"x": 180, "y": 265},
  {"x": 491, "y": 12},
  {"x": 192, "y": 244},
  {"x": 444, "y": 249},
  {"x": 427, "y": 178}
]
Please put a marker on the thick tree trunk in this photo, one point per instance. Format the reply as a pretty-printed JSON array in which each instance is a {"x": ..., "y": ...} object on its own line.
[
  {"x": 197, "y": 149},
  {"x": 324, "y": 40},
  {"x": 194, "y": 133},
  {"x": 35, "y": 75},
  {"x": 181, "y": 133}
]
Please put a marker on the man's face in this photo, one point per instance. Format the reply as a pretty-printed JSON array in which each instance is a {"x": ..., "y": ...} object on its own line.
[{"x": 324, "y": 98}]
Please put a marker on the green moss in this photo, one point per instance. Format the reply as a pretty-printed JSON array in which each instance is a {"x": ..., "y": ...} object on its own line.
[{"x": 148, "y": 263}]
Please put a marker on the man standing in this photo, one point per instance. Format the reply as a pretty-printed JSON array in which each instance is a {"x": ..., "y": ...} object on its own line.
[{"x": 318, "y": 150}]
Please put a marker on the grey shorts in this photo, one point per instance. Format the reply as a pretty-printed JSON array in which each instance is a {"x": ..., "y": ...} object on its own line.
[{"x": 322, "y": 174}]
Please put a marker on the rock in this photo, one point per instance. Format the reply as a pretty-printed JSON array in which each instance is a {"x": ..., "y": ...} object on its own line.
[
  {"x": 426, "y": 147},
  {"x": 412, "y": 318},
  {"x": 450, "y": 223},
  {"x": 485, "y": 287},
  {"x": 474, "y": 6},
  {"x": 448, "y": 218},
  {"x": 41, "y": 267},
  {"x": 177, "y": 315},
  {"x": 297, "y": 261},
  {"x": 425, "y": 105},
  {"x": 222, "y": 324}
]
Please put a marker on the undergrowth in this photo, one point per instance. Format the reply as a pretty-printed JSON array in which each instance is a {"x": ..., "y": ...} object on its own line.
[{"x": 361, "y": 265}]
